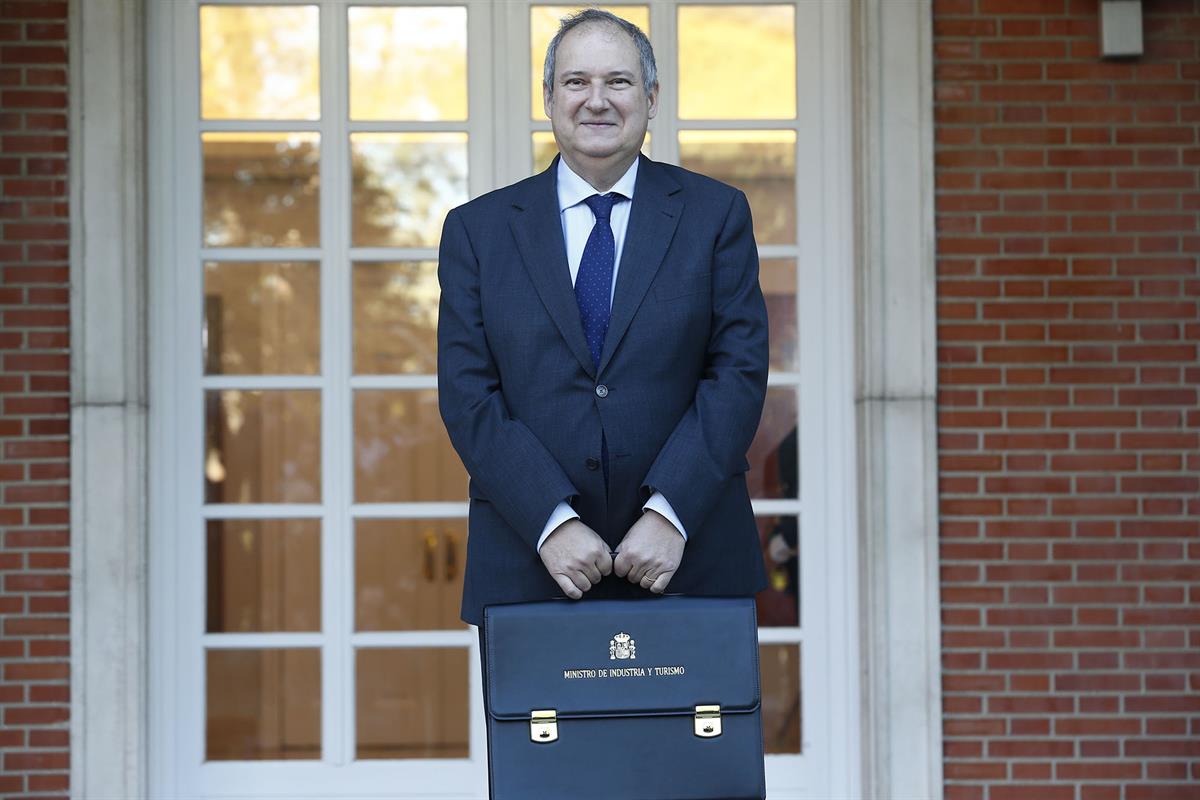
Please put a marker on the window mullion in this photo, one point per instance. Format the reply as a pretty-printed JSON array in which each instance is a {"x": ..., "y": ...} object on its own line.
[
  {"x": 337, "y": 666},
  {"x": 664, "y": 129}
]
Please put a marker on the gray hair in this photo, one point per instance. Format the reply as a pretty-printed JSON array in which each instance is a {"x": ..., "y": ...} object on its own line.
[{"x": 645, "y": 51}]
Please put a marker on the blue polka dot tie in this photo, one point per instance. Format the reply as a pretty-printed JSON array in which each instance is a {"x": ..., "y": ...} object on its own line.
[{"x": 593, "y": 282}]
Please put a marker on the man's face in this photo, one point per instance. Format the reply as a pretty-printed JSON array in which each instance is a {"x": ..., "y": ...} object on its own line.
[{"x": 598, "y": 108}]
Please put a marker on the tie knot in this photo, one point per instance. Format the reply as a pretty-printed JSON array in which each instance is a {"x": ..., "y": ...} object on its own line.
[{"x": 601, "y": 204}]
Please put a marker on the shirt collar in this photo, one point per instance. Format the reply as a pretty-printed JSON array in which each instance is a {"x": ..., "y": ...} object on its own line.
[{"x": 573, "y": 189}]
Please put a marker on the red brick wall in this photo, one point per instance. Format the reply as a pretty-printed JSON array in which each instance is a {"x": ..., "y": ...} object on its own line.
[
  {"x": 34, "y": 402},
  {"x": 1069, "y": 430}
]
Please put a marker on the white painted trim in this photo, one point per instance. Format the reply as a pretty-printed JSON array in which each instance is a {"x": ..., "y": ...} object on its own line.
[
  {"x": 896, "y": 396},
  {"x": 894, "y": 335},
  {"x": 108, "y": 400}
]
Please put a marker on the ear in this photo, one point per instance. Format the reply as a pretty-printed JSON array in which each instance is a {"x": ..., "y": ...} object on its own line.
[
  {"x": 546, "y": 97},
  {"x": 652, "y": 100}
]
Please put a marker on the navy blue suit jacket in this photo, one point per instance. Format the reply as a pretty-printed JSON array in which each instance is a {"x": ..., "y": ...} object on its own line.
[{"x": 683, "y": 371}]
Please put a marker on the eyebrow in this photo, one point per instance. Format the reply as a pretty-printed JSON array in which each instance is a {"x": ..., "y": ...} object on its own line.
[{"x": 618, "y": 73}]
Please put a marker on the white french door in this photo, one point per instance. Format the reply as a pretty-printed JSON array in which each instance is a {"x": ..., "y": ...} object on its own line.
[{"x": 309, "y": 514}]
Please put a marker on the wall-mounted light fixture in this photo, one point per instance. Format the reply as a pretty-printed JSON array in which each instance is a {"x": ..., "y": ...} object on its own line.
[{"x": 1120, "y": 28}]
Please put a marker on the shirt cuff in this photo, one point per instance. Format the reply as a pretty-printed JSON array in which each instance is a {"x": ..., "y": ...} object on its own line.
[
  {"x": 561, "y": 513},
  {"x": 658, "y": 502}
]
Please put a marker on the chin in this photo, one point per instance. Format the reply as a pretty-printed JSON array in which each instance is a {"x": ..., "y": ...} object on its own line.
[{"x": 606, "y": 152}]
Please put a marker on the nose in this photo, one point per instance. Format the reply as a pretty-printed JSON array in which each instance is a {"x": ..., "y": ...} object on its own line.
[{"x": 597, "y": 99}]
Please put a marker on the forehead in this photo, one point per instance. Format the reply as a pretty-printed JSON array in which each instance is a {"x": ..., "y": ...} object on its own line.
[{"x": 597, "y": 47}]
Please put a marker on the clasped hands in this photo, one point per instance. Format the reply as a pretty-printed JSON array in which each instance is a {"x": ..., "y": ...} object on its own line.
[{"x": 577, "y": 558}]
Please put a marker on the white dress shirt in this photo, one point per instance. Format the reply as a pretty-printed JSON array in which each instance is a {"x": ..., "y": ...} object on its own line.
[{"x": 578, "y": 221}]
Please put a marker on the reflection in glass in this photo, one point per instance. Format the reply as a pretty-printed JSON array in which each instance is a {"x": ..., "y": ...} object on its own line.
[
  {"x": 262, "y": 446},
  {"x": 261, "y": 189},
  {"x": 780, "y": 667},
  {"x": 395, "y": 317},
  {"x": 263, "y": 575},
  {"x": 408, "y": 574},
  {"x": 408, "y": 63},
  {"x": 401, "y": 450},
  {"x": 779, "y": 604},
  {"x": 412, "y": 703},
  {"x": 263, "y": 704},
  {"x": 777, "y": 277},
  {"x": 760, "y": 163},
  {"x": 262, "y": 318},
  {"x": 737, "y": 62},
  {"x": 543, "y": 24},
  {"x": 259, "y": 62},
  {"x": 545, "y": 149},
  {"x": 773, "y": 453},
  {"x": 403, "y": 186}
]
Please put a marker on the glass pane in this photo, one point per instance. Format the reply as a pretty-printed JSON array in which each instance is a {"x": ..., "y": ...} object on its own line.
[
  {"x": 261, "y": 189},
  {"x": 780, "y": 667},
  {"x": 760, "y": 163},
  {"x": 779, "y": 604},
  {"x": 737, "y": 62},
  {"x": 395, "y": 317},
  {"x": 543, "y": 24},
  {"x": 777, "y": 276},
  {"x": 408, "y": 574},
  {"x": 401, "y": 450},
  {"x": 545, "y": 149},
  {"x": 263, "y": 575},
  {"x": 773, "y": 453},
  {"x": 404, "y": 184},
  {"x": 413, "y": 703},
  {"x": 263, "y": 704},
  {"x": 408, "y": 63},
  {"x": 262, "y": 446},
  {"x": 262, "y": 318},
  {"x": 260, "y": 62}
]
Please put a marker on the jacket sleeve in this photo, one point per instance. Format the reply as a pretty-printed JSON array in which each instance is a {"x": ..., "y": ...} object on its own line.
[
  {"x": 511, "y": 468},
  {"x": 709, "y": 443}
]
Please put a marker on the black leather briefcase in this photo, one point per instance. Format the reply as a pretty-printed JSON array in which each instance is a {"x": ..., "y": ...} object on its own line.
[{"x": 654, "y": 699}]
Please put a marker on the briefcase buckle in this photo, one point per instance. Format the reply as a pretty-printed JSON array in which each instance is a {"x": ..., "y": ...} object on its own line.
[
  {"x": 708, "y": 721},
  {"x": 543, "y": 725}
]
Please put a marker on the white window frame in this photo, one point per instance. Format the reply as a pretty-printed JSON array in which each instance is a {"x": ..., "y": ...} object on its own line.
[
  {"x": 176, "y": 481},
  {"x": 830, "y": 735}
]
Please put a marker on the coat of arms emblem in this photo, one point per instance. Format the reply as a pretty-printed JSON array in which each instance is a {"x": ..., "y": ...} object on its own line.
[{"x": 621, "y": 646}]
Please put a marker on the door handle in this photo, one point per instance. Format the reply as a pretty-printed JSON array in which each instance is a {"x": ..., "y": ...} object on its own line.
[{"x": 430, "y": 560}]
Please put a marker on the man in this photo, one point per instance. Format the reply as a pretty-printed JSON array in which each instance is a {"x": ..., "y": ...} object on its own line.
[{"x": 602, "y": 354}]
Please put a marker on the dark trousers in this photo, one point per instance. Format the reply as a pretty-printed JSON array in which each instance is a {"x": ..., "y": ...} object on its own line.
[{"x": 483, "y": 674}]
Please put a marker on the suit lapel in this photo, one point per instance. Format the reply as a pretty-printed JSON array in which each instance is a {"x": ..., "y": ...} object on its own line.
[
  {"x": 537, "y": 226},
  {"x": 652, "y": 221}
]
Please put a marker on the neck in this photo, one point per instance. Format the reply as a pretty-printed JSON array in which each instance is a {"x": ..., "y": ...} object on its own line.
[{"x": 600, "y": 173}]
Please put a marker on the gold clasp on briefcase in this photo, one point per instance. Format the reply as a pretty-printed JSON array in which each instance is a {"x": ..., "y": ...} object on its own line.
[
  {"x": 543, "y": 725},
  {"x": 708, "y": 721}
]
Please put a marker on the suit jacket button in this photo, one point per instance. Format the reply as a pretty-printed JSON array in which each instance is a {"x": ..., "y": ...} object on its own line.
[
  {"x": 602, "y": 391},
  {"x": 593, "y": 463}
]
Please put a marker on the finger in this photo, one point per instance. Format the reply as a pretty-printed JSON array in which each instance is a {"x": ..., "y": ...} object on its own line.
[
  {"x": 568, "y": 588},
  {"x": 646, "y": 581},
  {"x": 660, "y": 583},
  {"x": 580, "y": 580},
  {"x": 593, "y": 573},
  {"x": 637, "y": 573},
  {"x": 622, "y": 564},
  {"x": 605, "y": 564}
]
